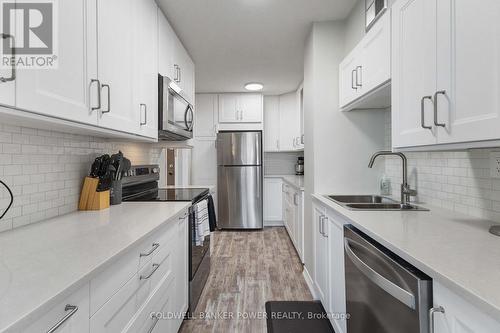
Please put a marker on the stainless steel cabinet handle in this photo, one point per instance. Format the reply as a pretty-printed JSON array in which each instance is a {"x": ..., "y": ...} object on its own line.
[
  {"x": 141, "y": 106},
  {"x": 440, "y": 92},
  {"x": 277, "y": 144},
  {"x": 359, "y": 70},
  {"x": 320, "y": 224},
  {"x": 295, "y": 199},
  {"x": 180, "y": 73},
  {"x": 352, "y": 79},
  {"x": 98, "y": 94},
  {"x": 153, "y": 249},
  {"x": 302, "y": 139},
  {"x": 325, "y": 218},
  {"x": 432, "y": 312},
  {"x": 422, "y": 112},
  {"x": 155, "y": 268},
  {"x": 156, "y": 319},
  {"x": 13, "y": 57},
  {"x": 176, "y": 79},
  {"x": 72, "y": 310},
  {"x": 389, "y": 287},
  {"x": 109, "y": 97}
]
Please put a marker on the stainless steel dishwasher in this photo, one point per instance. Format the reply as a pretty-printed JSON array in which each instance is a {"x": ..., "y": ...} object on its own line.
[{"x": 385, "y": 294}]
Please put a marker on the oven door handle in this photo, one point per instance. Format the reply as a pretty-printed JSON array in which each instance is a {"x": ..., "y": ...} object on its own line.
[{"x": 391, "y": 288}]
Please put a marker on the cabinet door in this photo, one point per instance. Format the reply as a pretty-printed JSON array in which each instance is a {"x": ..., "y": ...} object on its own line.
[
  {"x": 205, "y": 124},
  {"x": 187, "y": 75},
  {"x": 459, "y": 316},
  {"x": 8, "y": 88},
  {"x": 77, "y": 323},
  {"x": 413, "y": 71},
  {"x": 337, "y": 273},
  {"x": 272, "y": 124},
  {"x": 204, "y": 162},
  {"x": 298, "y": 223},
  {"x": 146, "y": 65},
  {"x": 375, "y": 66},
  {"x": 166, "y": 38},
  {"x": 468, "y": 70},
  {"x": 273, "y": 199},
  {"x": 348, "y": 90},
  {"x": 300, "y": 101},
  {"x": 66, "y": 91},
  {"x": 115, "y": 22},
  {"x": 250, "y": 107},
  {"x": 289, "y": 125},
  {"x": 181, "y": 269},
  {"x": 321, "y": 254},
  {"x": 228, "y": 108}
]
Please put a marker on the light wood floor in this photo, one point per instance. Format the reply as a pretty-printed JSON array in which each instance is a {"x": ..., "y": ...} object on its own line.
[{"x": 248, "y": 269}]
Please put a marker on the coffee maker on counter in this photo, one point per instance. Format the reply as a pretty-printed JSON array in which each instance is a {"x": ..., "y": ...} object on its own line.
[{"x": 299, "y": 167}]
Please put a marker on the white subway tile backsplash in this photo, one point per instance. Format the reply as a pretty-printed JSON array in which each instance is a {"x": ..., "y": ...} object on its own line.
[
  {"x": 45, "y": 170},
  {"x": 459, "y": 181}
]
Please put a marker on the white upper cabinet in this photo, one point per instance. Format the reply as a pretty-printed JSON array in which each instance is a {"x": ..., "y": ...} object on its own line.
[
  {"x": 146, "y": 79},
  {"x": 205, "y": 124},
  {"x": 468, "y": 70},
  {"x": 240, "y": 108},
  {"x": 115, "y": 24},
  {"x": 366, "y": 72},
  {"x": 439, "y": 59},
  {"x": 228, "y": 108},
  {"x": 413, "y": 69},
  {"x": 284, "y": 122},
  {"x": 67, "y": 91},
  {"x": 272, "y": 124},
  {"x": 166, "y": 40},
  {"x": 375, "y": 51},
  {"x": 7, "y": 78},
  {"x": 174, "y": 61},
  {"x": 289, "y": 122}
]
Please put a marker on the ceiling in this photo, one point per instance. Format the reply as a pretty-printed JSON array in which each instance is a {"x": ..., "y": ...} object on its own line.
[{"x": 233, "y": 42}]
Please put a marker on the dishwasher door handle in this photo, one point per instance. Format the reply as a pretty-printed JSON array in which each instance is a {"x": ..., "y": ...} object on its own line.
[{"x": 391, "y": 288}]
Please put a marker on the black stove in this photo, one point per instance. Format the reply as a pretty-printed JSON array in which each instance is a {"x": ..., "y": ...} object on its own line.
[{"x": 173, "y": 194}]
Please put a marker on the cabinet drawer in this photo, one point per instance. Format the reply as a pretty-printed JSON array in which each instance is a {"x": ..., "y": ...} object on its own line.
[
  {"x": 153, "y": 314},
  {"x": 117, "y": 312},
  {"x": 106, "y": 284},
  {"x": 77, "y": 319}
]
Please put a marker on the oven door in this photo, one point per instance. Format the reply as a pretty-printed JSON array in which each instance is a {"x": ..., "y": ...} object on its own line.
[{"x": 176, "y": 114}]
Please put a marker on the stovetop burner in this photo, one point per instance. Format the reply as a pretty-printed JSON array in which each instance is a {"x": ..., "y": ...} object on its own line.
[{"x": 173, "y": 194}]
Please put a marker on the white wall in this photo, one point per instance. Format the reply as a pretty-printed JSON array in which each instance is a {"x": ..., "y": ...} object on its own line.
[
  {"x": 338, "y": 145},
  {"x": 45, "y": 170},
  {"x": 355, "y": 26}
]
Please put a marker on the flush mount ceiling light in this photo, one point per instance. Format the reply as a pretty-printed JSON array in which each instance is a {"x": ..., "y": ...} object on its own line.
[{"x": 254, "y": 86}]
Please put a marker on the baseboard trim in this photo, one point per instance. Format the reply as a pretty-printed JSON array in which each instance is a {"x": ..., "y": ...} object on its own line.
[
  {"x": 310, "y": 283},
  {"x": 274, "y": 224}
]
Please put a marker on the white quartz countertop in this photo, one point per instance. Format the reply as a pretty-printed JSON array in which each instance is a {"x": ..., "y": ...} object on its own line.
[
  {"x": 293, "y": 180},
  {"x": 42, "y": 263},
  {"x": 454, "y": 249}
]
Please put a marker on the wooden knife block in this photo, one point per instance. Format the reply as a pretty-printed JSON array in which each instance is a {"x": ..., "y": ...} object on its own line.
[{"x": 90, "y": 199}]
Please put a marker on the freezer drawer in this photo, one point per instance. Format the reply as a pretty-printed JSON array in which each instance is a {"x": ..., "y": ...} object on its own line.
[
  {"x": 239, "y": 148},
  {"x": 240, "y": 197}
]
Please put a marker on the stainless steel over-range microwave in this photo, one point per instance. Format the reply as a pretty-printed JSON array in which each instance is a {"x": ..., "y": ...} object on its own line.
[{"x": 175, "y": 113}]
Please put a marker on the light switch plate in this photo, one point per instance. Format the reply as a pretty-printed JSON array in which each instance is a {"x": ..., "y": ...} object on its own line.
[{"x": 495, "y": 164}]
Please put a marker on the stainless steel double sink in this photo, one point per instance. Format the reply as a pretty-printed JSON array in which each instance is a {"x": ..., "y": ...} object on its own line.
[{"x": 371, "y": 202}]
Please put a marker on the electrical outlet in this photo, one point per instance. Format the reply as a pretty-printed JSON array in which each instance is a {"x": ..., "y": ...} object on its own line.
[{"x": 495, "y": 164}]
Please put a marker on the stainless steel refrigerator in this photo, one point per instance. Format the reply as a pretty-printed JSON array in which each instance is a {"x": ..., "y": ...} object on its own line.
[{"x": 239, "y": 180}]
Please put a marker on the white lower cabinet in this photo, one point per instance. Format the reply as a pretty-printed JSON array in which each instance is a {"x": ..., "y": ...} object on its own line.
[
  {"x": 336, "y": 272},
  {"x": 74, "y": 308},
  {"x": 459, "y": 316},
  {"x": 320, "y": 254},
  {"x": 293, "y": 219},
  {"x": 180, "y": 302},
  {"x": 273, "y": 201},
  {"x": 329, "y": 276}
]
